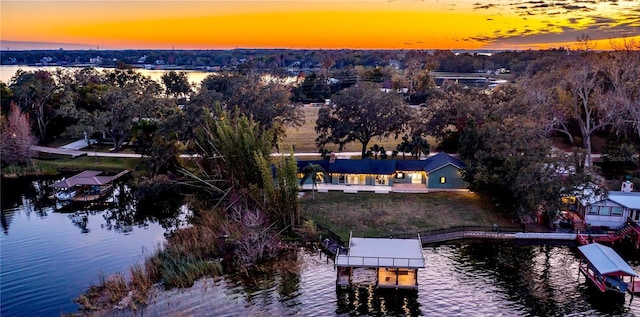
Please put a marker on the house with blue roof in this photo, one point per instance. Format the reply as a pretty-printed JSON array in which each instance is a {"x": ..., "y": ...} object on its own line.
[
  {"x": 439, "y": 172},
  {"x": 444, "y": 171}
]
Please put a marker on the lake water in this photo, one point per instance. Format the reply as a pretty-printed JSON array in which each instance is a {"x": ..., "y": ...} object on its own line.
[
  {"x": 194, "y": 76},
  {"x": 8, "y": 71},
  {"x": 48, "y": 257}
]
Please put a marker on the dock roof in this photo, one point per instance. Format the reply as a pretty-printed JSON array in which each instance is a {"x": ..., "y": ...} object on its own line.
[
  {"x": 382, "y": 252},
  {"x": 605, "y": 260},
  {"x": 86, "y": 178}
]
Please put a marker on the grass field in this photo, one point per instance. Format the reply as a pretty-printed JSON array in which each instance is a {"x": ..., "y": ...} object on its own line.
[
  {"x": 304, "y": 138},
  {"x": 382, "y": 214},
  {"x": 113, "y": 164}
]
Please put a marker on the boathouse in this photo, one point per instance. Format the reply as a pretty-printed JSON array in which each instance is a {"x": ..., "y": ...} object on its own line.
[
  {"x": 606, "y": 269},
  {"x": 86, "y": 186},
  {"x": 396, "y": 261}
]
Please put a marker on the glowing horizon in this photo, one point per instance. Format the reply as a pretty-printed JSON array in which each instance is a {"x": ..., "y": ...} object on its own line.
[{"x": 320, "y": 24}]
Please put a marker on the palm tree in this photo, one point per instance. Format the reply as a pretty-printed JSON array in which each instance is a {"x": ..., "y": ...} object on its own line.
[{"x": 313, "y": 170}]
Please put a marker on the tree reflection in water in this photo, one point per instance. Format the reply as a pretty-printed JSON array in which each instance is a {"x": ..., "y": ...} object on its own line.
[
  {"x": 282, "y": 274},
  {"x": 120, "y": 211}
]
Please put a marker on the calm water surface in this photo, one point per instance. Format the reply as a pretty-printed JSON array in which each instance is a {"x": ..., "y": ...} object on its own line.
[
  {"x": 465, "y": 279},
  {"x": 48, "y": 258},
  {"x": 8, "y": 71}
]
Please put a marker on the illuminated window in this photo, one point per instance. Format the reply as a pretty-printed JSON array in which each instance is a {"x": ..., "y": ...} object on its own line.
[
  {"x": 443, "y": 180},
  {"x": 400, "y": 175}
]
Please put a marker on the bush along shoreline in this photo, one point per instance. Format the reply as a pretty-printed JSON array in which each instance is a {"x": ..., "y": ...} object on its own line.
[{"x": 205, "y": 249}]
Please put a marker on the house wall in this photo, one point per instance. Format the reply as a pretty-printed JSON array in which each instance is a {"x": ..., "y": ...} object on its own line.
[
  {"x": 453, "y": 178},
  {"x": 361, "y": 179},
  {"x": 410, "y": 178},
  {"x": 606, "y": 214}
]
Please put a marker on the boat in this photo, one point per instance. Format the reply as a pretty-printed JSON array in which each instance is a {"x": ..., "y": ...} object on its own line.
[
  {"x": 606, "y": 269},
  {"x": 66, "y": 194}
]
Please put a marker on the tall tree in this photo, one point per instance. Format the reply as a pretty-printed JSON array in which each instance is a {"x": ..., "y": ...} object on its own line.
[
  {"x": 6, "y": 96},
  {"x": 34, "y": 93},
  {"x": 361, "y": 113},
  {"x": 176, "y": 84},
  {"x": 266, "y": 102},
  {"x": 575, "y": 92},
  {"x": 624, "y": 67},
  {"x": 129, "y": 97},
  {"x": 510, "y": 162},
  {"x": 17, "y": 138}
]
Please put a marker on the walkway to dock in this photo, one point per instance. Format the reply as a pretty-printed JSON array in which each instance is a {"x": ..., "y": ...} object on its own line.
[{"x": 495, "y": 233}]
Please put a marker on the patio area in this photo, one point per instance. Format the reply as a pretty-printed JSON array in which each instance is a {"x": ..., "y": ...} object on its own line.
[{"x": 395, "y": 188}]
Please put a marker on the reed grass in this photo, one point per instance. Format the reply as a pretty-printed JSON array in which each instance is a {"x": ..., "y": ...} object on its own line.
[
  {"x": 178, "y": 269},
  {"x": 140, "y": 283},
  {"x": 188, "y": 255},
  {"x": 35, "y": 168}
]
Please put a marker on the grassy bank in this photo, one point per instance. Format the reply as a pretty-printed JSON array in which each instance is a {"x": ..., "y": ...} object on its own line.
[
  {"x": 54, "y": 164},
  {"x": 381, "y": 214},
  {"x": 112, "y": 164}
]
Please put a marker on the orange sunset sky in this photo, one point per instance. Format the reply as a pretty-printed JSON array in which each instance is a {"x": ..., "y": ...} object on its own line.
[{"x": 301, "y": 24}]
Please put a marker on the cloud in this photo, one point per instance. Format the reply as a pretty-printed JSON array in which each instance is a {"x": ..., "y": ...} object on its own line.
[
  {"x": 483, "y": 6},
  {"x": 563, "y": 35}
]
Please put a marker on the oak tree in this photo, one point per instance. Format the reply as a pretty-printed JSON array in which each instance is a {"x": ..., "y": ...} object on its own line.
[{"x": 361, "y": 113}]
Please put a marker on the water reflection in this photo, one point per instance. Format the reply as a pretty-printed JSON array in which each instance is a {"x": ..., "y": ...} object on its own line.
[
  {"x": 365, "y": 300},
  {"x": 120, "y": 210},
  {"x": 467, "y": 278},
  {"x": 52, "y": 253}
]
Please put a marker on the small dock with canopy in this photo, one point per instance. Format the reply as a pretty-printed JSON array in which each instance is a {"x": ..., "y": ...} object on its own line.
[
  {"x": 396, "y": 261},
  {"x": 607, "y": 270},
  {"x": 87, "y": 186}
]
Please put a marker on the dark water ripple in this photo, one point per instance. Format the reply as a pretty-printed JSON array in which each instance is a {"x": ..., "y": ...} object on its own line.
[
  {"x": 460, "y": 280},
  {"x": 46, "y": 261},
  {"x": 48, "y": 258}
]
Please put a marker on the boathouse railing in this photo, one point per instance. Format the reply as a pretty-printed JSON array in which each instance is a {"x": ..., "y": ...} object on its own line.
[
  {"x": 454, "y": 233},
  {"x": 381, "y": 261},
  {"x": 327, "y": 233}
]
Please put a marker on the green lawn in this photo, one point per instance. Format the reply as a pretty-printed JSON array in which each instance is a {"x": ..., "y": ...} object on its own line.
[
  {"x": 382, "y": 214},
  {"x": 113, "y": 164}
]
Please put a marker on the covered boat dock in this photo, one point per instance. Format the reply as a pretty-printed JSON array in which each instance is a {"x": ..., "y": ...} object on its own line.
[
  {"x": 396, "y": 261},
  {"x": 607, "y": 270},
  {"x": 88, "y": 185}
]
